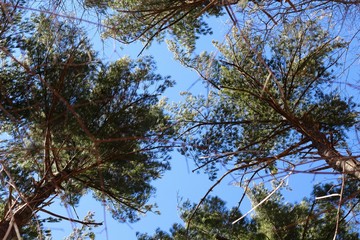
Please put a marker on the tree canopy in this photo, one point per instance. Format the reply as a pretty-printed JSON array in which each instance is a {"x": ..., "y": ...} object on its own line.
[
  {"x": 270, "y": 105},
  {"x": 72, "y": 124},
  {"x": 275, "y": 219},
  {"x": 186, "y": 21},
  {"x": 272, "y": 110},
  {"x": 76, "y": 125}
]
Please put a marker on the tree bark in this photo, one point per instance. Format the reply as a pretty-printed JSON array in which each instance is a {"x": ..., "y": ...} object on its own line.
[
  {"x": 345, "y": 164},
  {"x": 22, "y": 213}
]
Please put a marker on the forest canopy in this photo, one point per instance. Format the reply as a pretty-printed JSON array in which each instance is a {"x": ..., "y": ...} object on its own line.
[{"x": 281, "y": 100}]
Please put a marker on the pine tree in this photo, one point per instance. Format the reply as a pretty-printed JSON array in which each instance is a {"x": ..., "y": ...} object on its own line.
[
  {"x": 274, "y": 219},
  {"x": 74, "y": 125},
  {"x": 270, "y": 106}
]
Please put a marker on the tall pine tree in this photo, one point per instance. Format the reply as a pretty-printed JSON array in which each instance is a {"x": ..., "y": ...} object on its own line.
[{"x": 74, "y": 125}]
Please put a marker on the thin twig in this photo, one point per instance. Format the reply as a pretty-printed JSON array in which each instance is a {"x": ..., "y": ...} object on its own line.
[
  {"x": 264, "y": 200},
  {"x": 339, "y": 207},
  {"x": 71, "y": 219}
]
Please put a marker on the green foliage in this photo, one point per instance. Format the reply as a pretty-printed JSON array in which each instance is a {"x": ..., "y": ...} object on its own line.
[
  {"x": 211, "y": 221},
  {"x": 269, "y": 90},
  {"x": 149, "y": 20},
  {"x": 274, "y": 219},
  {"x": 9, "y": 23},
  {"x": 77, "y": 125},
  {"x": 309, "y": 219},
  {"x": 327, "y": 210},
  {"x": 35, "y": 228},
  {"x": 85, "y": 231},
  {"x": 186, "y": 20}
]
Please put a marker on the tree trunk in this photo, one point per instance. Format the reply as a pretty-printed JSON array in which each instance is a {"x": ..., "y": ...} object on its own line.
[
  {"x": 344, "y": 164},
  {"x": 23, "y": 212}
]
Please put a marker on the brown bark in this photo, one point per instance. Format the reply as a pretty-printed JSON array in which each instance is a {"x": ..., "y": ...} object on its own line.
[
  {"x": 23, "y": 212},
  {"x": 345, "y": 164}
]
